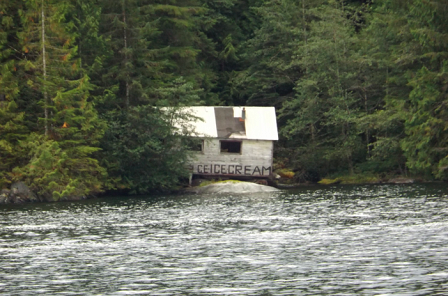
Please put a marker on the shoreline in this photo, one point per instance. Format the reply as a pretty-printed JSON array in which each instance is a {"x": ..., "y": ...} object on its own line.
[{"x": 30, "y": 197}]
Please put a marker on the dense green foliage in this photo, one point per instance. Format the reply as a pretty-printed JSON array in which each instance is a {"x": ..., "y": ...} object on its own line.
[{"x": 359, "y": 86}]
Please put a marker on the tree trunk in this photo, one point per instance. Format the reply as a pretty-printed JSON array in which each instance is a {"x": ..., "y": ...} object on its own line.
[
  {"x": 44, "y": 66},
  {"x": 304, "y": 32},
  {"x": 126, "y": 54},
  {"x": 367, "y": 129}
]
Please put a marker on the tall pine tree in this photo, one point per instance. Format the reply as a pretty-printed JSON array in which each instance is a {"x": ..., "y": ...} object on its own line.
[{"x": 60, "y": 155}]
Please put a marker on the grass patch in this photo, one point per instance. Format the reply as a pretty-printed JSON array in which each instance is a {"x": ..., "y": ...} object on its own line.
[
  {"x": 326, "y": 181},
  {"x": 355, "y": 179},
  {"x": 285, "y": 173}
]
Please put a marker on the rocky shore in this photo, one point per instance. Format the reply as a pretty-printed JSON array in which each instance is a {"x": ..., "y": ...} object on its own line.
[{"x": 20, "y": 193}]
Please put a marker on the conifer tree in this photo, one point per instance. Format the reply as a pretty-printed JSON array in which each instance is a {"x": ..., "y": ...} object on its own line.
[
  {"x": 324, "y": 112},
  {"x": 12, "y": 126},
  {"x": 228, "y": 25},
  {"x": 154, "y": 43},
  {"x": 153, "y": 63},
  {"x": 305, "y": 62},
  {"x": 60, "y": 159},
  {"x": 273, "y": 69},
  {"x": 387, "y": 85},
  {"x": 424, "y": 56}
]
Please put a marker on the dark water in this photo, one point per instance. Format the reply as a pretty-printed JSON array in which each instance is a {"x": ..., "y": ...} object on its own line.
[{"x": 359, "y": 240}]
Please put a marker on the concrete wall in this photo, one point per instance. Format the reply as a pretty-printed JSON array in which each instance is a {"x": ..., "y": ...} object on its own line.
[{"x": 254, "y": 160}]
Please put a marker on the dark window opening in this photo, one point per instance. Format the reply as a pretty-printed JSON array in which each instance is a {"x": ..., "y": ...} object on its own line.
[{"x": 231, "y": 146}]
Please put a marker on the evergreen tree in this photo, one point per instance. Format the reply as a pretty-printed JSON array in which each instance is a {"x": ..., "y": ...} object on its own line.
[
  {"x": 154, "y": 43},
  {"x": 388, "y": 87},
  {"x": 322, "y": 118},
  {"x": 425, "y": 112},
  {"x": 154, "y": 63},
  {"x": 229, "y": 24},
  {"x": 273, "y": 70},
  {"x": 144, "y": 151},
  {"x": 12, "y": 125},
  {"x": 71, "y": 129}
]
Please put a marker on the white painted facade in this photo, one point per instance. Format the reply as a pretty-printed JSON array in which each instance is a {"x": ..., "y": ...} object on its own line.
[{"x": 255, "y": 159}]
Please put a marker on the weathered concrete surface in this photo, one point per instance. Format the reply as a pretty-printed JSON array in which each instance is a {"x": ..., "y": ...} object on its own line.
[{"x": 229, "y": 187}]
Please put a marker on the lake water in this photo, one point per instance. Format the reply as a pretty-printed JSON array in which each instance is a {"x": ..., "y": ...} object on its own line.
[{"x": 337, "y": 240}]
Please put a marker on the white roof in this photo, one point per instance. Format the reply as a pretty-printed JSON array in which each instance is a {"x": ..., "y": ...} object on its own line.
[{"x": 260, "y": 123}]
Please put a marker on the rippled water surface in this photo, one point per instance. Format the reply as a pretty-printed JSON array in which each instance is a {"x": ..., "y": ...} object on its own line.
[{"x": 363, "y": 240}]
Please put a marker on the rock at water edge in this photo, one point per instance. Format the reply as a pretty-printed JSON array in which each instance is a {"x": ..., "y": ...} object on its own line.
[{"x": 20, "y": 193}]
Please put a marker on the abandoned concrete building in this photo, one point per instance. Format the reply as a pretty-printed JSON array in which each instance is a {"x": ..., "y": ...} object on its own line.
[{"x": 234, "y": 141}]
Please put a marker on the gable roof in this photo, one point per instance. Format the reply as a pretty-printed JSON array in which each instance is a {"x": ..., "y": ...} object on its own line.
[{"x": 259, "y": 123}]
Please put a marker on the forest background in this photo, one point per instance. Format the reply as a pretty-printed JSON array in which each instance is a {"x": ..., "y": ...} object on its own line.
[{"x": 360, "y": 87}]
